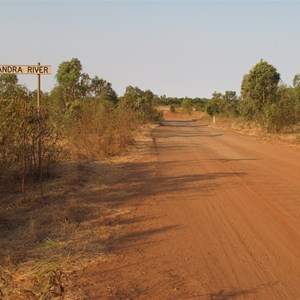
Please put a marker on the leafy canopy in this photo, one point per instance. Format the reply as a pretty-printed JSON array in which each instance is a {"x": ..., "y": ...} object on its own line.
[{"x": 260, "y": 84}]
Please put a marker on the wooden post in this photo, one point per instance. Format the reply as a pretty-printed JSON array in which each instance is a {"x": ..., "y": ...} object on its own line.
[
  {"x": 39, "y": 91},
  {"x": 39, "y": 124}
]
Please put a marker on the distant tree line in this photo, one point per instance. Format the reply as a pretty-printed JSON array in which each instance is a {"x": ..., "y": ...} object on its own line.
[
  {"x": 197, "y": 103},
  {"x": 264, "y": 100}
]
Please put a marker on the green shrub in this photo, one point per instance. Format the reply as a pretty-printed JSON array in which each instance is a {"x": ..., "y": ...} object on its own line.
[
  {"x": 187, "y": 106},
  {"x": 172, "y": 109}
]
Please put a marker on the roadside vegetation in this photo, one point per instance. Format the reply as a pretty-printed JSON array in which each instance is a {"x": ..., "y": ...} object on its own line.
[
  {"x": 81, "y": 117},
  {"x": 265, "y": 103},
  {"x": 47, "y": 216}
]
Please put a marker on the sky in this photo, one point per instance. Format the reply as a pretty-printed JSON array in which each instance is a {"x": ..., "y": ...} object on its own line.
[{"x": 174, "y": 48}]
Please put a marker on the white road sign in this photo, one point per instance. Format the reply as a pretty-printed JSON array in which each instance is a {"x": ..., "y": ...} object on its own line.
[{"x": 16, "y": 69}]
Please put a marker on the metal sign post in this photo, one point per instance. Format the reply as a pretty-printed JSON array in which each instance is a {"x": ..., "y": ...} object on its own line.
[{"x": 31, "y": 70}]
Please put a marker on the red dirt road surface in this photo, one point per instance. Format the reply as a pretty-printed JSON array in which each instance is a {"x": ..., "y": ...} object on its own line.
[{"x": 215, "y": 215}]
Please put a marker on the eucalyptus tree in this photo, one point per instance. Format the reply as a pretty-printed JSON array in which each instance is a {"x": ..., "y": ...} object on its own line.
[
  {"x": 259, "y": 91},
  {"x": 72, "y": 83},
  {"x": 99, "y": 88},
  {"x": 9, "y": 86},
  {"x": 296, "y": 81},
  {"x": 296, "y": 85},
  {"x": 187, "y": 106},
  {"x": 141, "y": 103},
  {"x": 214, "y": 105}
]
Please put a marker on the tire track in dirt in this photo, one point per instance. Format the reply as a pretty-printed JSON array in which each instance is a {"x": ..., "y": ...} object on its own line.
[{"x": 278, "y": 291}]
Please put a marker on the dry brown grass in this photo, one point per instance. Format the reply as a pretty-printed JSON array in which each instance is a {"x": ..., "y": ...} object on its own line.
[
  {"x": 46, "y": 238},
  {"x": 100, "y": 134},
  {"x": 252, "y": 129}
]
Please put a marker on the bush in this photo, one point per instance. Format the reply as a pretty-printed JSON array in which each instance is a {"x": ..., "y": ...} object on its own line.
[
  {"x": 284, "y": 113},
  {"x": 28, "y": 141},
  {"x": 187, "y": 106},
  {"x": 172, "y": 109},
  {"x": 142, "y": 103},
  {"x": 101, "y": 130}
]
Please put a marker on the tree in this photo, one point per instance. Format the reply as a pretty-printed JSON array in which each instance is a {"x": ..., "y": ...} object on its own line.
[
  {"x": 259, "y": 89},
  {"x": 283, "y": 114},
  {"x": 296, "y": 81},
  {"x": 141, "y": 102},
  {"x": 296, "y": 91},
  {"x": 102, "y": 90},
  {"x": 187, "y": 106},
  {"x": 8, "y": 79},
  {"x": 214, "y": 105},
  {"x": 230, "y": 96},
  {"x": 71, "y": 80},
  {"x": 9, "y": 86},
  {"x": 74, "y": 85},
  {"x": 230, "y": 107},
  {"x": 261, "y": 83}
]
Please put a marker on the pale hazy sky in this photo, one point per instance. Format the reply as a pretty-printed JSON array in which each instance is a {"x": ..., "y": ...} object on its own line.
[{"x": 177, "y": 48}]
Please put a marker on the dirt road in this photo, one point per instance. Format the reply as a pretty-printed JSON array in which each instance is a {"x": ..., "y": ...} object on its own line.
[{"x": 215, "y": 216}]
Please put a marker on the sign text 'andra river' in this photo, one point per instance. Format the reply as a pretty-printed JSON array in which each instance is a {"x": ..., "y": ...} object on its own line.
[{"x": 16, "y": 69}]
